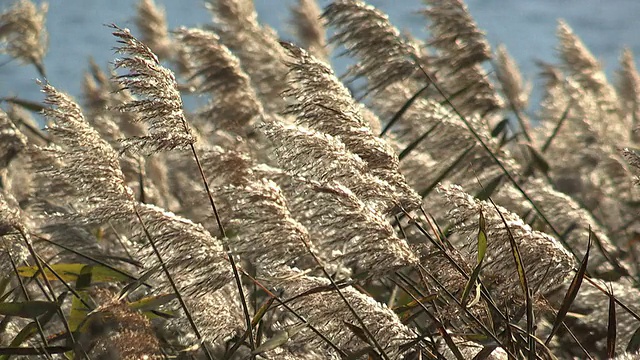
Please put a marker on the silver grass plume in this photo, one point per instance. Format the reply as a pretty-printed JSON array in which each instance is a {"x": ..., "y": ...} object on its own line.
[
  {"x": 85, "y": 171},
  {"x": 461, "y": 48},
  {"x": 12, "y": 141},
  {"x": 267, "y": 233},
  {"x": 114, "y": 330},
  {"x": 633, "y": 159},
  {"x": 310, "y": 154},
  {"x": 320, "y": 101},
  {"x": 628, "y": 89},
  {"x": 199, "y": 266},
  {"x": 582, "y": 66},
  {"x": 566, "y": 216},
  {"x": 342, "y": 228},
  {"x": 627, "y": 356},
  {"x": 589, "y": 314},
  {"x": 255, "y": 45},
  {"x": 234, "y": 104},
  {"x": 346, "y": 230},
  {"x": 152, "y": 23},
  {"x": 329, "y": 314},
  {"x": 101, "y": 96},
  {"x": 384, "y": 57},
  {"x": 158, "y": 102},
  {"x": 11, "y": 244},
  {"x": 195, "y": 258},
  {"x": 546, "y": 261},
  {"x": 580, "y": 63},
  {"x": 23, "y": 34},
  {"x": 513, "y": 87},
  {"x": 82, "y": 167},
  {"x": 309, "y": 28},
  {"x": 584, "y": 155},
  {"x": 456, "y": 34}
]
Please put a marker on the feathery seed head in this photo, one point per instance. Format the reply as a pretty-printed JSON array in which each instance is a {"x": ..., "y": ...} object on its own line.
[
  {"x": 235, "y": 103},
  {"x": 23, "y": 32},
  {"x": 158, "y": 102},
  {"x": 384, "y": 56}
]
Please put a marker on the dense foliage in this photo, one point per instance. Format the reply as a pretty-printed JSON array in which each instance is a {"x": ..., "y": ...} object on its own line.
[{"x": 412, "y": 208}]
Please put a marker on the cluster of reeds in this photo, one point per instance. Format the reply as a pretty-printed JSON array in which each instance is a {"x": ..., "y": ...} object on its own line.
[{"x": 426, "y": 214}]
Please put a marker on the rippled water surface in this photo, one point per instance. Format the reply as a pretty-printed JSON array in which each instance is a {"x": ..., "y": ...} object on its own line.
[{"x": 527, "y": 28}]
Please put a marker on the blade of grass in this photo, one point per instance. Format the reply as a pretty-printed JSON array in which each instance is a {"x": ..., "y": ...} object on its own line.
[
  {"x": 571, "y": 294},
  {"x": 446, "y": 172},
  {"x": 611, "y": 328},
  {"x": 482, "y": 250},
  {"x": 404, "y": 109},
  {"x": 441, "y": 329},
  {"x": 634, "y": 343},
  {"x": 522, "y": 276},
  {"x": 416, "y": 142}
]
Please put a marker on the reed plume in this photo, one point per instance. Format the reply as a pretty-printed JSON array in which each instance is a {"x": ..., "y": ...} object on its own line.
[
  {"x": 312, "y": 85},
  {"x": 152, "y": 23},
  {"x": 159, "y": 104},
  {"x": 23, "y": 33},
  {"x": 384, "y": 56},
  {"x": 234, "y": 105},
  {"x": 309, "y": 28}
]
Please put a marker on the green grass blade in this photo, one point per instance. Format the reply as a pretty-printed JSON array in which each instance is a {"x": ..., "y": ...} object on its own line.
[
  {"x": 571, "y": 294},
  {"x": 634, "y": 343}
]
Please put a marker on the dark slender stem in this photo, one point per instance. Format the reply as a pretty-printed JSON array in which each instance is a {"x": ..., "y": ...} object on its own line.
[
  {"x": 234, "y": 267},
  {"x": 496, "y": 160},
  {"x": 174, "y": 287},
  {"x": 47, "y": 283},
  {"x": 27, "y": 297},
  {"x": 353, "y": 311}
]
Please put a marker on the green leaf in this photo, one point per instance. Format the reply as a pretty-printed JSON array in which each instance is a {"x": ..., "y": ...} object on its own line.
[
  {"x": 75, "y": 272},
  {"x": 27, "y": 309},
  {"x": 152, "y": 302},
  {"x": 571, "y": 294},
  {"x": 500, "y": 127},
  {"x": 482, "y": 251},
  {"x": 280, "y": 338},
  {"x": 634, "y": 344},
  {"x": 79, "y": 311},
  {"x": 27, "y": 104},
  {"x": 482, "y": 238},
  {"x": 31, "y": 328}
]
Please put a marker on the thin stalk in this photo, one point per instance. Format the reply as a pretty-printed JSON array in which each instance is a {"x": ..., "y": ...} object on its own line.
[
  {"x": 27, "y": 297},
  {"x": 174, "y": 287},
  {"x": 403, "y": 109},
  {"x": 353, "y": 311},
  {"x": 36, "y": 259},
  {"x": 298, "y": 316},
  {"x": 234, "y": 267},
  {"x": 91, "y": 258},
  {"x": 496, "y": 160}
]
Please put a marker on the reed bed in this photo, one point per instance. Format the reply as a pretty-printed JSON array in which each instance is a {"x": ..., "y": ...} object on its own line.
[{"x": 411, "y": 208}]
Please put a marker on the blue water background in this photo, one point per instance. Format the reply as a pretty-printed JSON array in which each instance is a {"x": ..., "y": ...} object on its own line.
[{"x": 527, "y": 28}]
